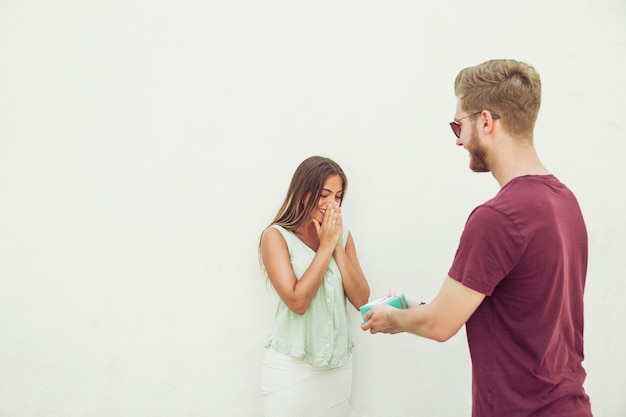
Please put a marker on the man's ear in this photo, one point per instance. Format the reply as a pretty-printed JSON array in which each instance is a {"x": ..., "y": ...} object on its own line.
[{"x": 488, "y": 121}]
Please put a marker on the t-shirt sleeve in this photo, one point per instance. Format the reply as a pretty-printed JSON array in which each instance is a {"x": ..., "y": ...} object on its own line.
[{"x": 489, "y": 247}]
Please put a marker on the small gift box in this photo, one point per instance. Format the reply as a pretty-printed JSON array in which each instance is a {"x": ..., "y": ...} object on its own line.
[{"x": 392, "y": 299}]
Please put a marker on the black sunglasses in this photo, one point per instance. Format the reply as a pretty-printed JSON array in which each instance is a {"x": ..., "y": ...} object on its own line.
[{"x": 456, "y": 126}]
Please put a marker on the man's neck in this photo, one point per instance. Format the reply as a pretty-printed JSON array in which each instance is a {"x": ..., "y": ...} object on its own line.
[{"x": 515, "y": 161}]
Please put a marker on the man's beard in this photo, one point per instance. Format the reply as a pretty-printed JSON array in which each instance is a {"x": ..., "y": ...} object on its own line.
[{"x": 478, "y": 154}]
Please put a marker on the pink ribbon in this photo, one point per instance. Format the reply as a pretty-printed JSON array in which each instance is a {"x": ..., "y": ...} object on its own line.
[{"x": 388, "y": 296}]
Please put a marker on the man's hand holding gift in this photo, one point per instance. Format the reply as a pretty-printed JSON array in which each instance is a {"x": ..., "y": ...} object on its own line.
[{"x": 379, "y": 319}]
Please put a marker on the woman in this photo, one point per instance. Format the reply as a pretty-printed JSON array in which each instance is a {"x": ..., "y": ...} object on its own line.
[{"x": 312, "y": 264}]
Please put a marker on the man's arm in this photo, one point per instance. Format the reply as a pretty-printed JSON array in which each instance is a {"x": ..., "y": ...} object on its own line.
[{"x": 439, "y": 320}]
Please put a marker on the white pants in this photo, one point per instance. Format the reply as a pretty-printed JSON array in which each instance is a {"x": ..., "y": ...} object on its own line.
[{"x": 294, "y": 388}]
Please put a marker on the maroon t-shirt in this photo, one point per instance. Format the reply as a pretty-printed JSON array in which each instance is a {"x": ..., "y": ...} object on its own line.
[{"x": 526, "y": 250}]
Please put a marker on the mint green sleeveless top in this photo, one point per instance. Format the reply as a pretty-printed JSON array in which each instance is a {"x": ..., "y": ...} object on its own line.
[{"x": 321, "y": 336}]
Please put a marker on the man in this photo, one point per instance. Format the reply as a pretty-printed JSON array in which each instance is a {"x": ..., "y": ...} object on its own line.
[{"x": 518, "y": 276}]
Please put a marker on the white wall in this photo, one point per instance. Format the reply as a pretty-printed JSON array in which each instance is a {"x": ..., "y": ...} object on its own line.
[{"x": 144, "y": 145}]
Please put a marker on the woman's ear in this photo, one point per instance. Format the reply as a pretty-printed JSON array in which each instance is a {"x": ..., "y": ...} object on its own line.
[{"x": 305, "y": 200}]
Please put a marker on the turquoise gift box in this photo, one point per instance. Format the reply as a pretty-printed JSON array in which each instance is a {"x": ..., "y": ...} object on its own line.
[{"x": 394, "y": 300}]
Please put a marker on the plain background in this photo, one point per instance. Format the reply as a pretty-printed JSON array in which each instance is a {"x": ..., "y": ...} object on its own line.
[{"x": 145, "y": 144}]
